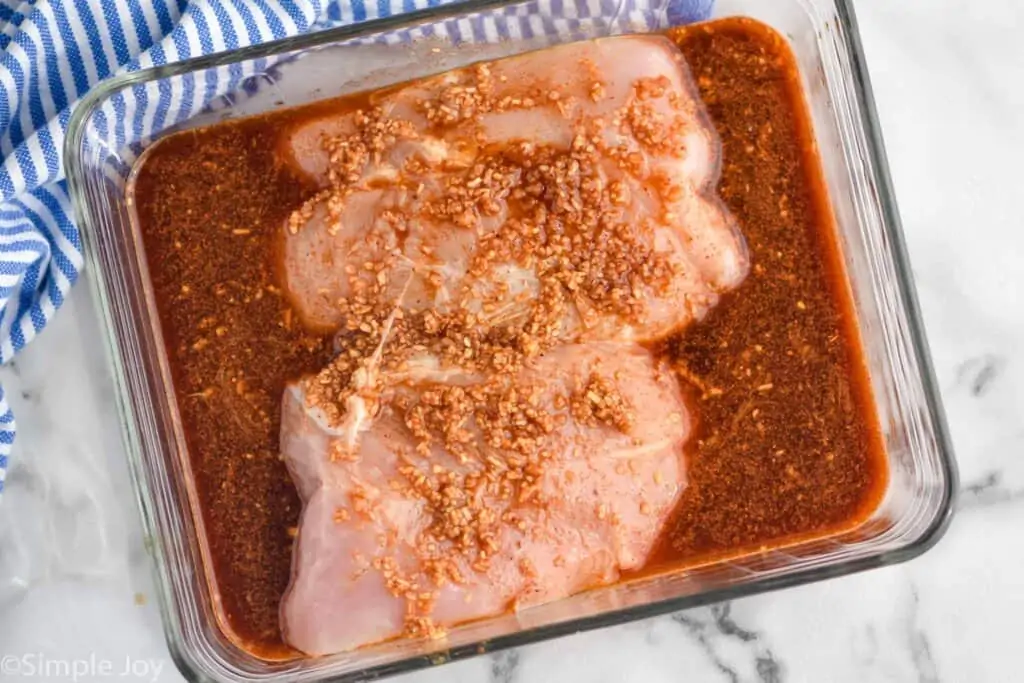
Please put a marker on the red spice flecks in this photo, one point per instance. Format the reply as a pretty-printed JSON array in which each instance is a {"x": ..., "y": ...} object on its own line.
[{"x": 786, "y": 444}]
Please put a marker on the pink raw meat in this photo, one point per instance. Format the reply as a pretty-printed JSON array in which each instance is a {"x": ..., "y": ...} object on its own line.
[
  {"x": 595, "y": 509},
  {"x": 625, "y": 108}
]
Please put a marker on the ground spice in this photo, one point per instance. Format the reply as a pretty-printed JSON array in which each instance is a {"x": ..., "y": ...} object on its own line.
[
  {"x": 786, "y": 444},
  {"x": 210, "y": 206}
]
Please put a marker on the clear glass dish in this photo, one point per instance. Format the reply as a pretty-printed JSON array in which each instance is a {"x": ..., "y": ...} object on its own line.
[{"x": 104, "y": 140}]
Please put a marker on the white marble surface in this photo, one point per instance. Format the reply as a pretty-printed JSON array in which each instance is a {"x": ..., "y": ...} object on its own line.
[{"x": 948, "y": 78}]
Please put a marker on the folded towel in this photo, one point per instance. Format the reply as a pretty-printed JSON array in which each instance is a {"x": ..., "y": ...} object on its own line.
[{"x": 53, "y": 51}]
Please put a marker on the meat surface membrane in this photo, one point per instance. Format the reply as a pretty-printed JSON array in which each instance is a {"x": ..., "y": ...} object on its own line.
[
  {"x": 589, "y": 164},
  {"x": 464, "y": 500}
]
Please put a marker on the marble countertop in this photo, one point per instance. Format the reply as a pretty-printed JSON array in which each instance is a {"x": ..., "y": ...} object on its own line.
[{"x": 947, "y": 77}]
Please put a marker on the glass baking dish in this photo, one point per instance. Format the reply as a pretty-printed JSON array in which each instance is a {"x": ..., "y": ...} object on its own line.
[{"x": 105, "y": 138}]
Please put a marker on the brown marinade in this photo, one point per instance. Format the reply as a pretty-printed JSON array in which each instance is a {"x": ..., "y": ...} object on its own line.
[{"x": 787, "y": 444}]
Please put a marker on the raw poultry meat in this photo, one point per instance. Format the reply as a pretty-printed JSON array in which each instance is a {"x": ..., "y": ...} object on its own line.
[
  {"x": 490, "y": 247},
  {"x": 464, "y": 500},
  {"x": 470, "y": 190}
]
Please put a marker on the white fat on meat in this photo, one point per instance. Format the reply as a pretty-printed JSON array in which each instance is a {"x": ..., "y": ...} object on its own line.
[
  {"x": 602, "y": 499},
  {"x": 429, "y": 258}
]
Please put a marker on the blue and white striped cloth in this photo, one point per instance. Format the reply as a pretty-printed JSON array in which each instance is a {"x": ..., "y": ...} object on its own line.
[{"x": 53, "y": 51}]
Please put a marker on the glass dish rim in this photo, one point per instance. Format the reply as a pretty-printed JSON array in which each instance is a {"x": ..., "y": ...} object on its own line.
[{"x": 892, "y": 225}]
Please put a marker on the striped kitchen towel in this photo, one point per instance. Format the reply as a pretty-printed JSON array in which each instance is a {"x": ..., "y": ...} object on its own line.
[{"x": 53, "y": 51}]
